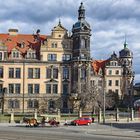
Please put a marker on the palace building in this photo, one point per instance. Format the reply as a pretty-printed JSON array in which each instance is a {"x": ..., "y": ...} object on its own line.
[{"x": 42, "y": 71}]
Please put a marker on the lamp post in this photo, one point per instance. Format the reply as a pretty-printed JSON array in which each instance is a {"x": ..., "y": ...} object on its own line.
[
  {"x": 131, "y": 92},
  {"x": 104, "y": 101},
  {"x": 3, "y": 92}
]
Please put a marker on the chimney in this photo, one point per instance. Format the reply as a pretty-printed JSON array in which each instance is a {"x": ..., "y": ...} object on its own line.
[{"x": 13, "y": 31}]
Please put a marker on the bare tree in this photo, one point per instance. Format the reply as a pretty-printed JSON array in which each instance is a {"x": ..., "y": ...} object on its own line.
[
  {"x": 44, "y": 105},
  {"x": 91, "y": 98}
]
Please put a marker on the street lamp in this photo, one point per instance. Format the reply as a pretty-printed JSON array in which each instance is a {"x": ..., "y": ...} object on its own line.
[{"x": 104, "y": 100}]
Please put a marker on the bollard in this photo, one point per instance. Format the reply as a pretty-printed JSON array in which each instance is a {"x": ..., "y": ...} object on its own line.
[
  {"x": 132, "y": 114},
  {"x": 35, "y": 114},
  {"x": 99, "y": 115},
  {"x": 59, "y": 115},
  {"x": 117, "y": 115},
  {"x": 80, "y": 113},
  {"x": 12, "y": 117}
]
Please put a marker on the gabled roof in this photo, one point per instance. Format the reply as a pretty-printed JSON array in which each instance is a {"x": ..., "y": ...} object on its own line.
[
  {"x": 98, "y": 64},
  {"x": 14, "y": 41},
  {"x": 59, "y": 27}
]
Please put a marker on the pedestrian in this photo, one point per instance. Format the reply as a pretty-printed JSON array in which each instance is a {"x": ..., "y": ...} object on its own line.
[
  {"x": 66, "y": 123},
  {"x": 43, "y": 121}
]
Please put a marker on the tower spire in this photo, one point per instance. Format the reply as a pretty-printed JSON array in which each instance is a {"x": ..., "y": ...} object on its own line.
[
  {"x": 59, "y": 22},
  {"x": 125, "y": 43},
  {"x": 81, "y": 12}
]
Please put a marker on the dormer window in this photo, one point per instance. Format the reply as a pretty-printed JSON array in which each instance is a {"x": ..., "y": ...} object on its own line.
[
  {"x": 31, "y": 55},
  {"x": 15, "y": 54},
  {"x": 113, "y": 63},
  {"x": 22, "y": 45}
]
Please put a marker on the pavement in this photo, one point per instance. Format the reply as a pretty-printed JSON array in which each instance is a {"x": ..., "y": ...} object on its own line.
[{"x": 110, "y": 128}]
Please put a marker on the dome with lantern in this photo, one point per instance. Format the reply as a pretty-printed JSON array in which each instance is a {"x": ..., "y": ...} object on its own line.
[
  {"x": 81, "y": 24},
  {"x": 125, "y": 52}
]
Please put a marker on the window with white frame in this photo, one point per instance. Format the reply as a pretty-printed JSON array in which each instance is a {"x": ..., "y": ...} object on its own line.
[
  {"x": 52, "y": 72},
  {"x": 14, "y": 88},
  {"x": 52, "y": 57},
  {"x": 14, "y": 72},
  {"x": 65, "y": 73},
  {"x": 33, "y": 103},
  {"x": 54, "y": 45},
  {"x": 34, "y": 73},
  {"x": 15, "y": 54},
  {"x": 33, "y": 88},
  {"x": 51, "y": 88},
  {"x": 66, "y": 57},
  {"x": 13, "y": 103}
]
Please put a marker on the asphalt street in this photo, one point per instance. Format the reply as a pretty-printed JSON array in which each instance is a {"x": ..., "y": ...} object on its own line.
[{"x": 93, "y": 132}]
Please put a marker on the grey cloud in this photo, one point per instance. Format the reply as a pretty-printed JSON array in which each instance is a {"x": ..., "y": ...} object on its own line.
[{"x": 37, "y": 11}]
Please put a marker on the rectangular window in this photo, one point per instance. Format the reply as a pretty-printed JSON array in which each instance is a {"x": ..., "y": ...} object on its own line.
[
  {"x": 54, "y": 45},
  {"x": 13, "y": 104},
  {"x": 0, "y": 55},
  {"x": 18, "y": 71},
  {"x": 65, "y": 89},
  {"x": 65, "y": 73},
  {"x": 117, "y": 72},
  {"x": 48, "y": 73},
  {"x": 1, "y": 72},
  {"x": 92, "y": 82},
  {"x": 109, "y": 82},
  {"x": 110, "y": 72},
  {"x": 66, "y": 57},
  {"x": 48, "y": 88},
  {"x": 30, "y": 88},
  {"x": 36, "y": 88},
  {"x": 117, "y": 91},
  {"x": 16, "y": 103},
  {"x": 37, "y": 73},
  {"x": 83, "y": 73},
  {"x": 110, "y": 91},
  {"x": 30, "y": 72},
  {"x": 55, "y": 73},
  {"x": 52, "y": 57},
  {"x": 117, "y": 83},
  {"x": 11, "y": 88},
  {"x": 11, "y": 72},
  {"x": 100, "y": 83},
  {"x": 55, "y": 88},
  {"x": 51, "y": 104},
  {"x": 17, "y": 88},
  {"x": 1, "y": 89}
]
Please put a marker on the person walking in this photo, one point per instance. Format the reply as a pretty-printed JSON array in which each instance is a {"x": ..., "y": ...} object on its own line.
[{"x": 43, "y": 121}]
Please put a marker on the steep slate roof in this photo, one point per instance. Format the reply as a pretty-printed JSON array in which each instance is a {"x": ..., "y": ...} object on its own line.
[
  {"x": 14, "y": 41},
  {"x": 98, "y": 64}
]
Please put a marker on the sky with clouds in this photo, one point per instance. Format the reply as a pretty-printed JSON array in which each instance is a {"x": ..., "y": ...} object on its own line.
[{"x": 110, "y": 20}]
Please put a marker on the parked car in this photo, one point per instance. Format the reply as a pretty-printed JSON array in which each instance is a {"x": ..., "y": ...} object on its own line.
[{"x": 82, "y": 121}]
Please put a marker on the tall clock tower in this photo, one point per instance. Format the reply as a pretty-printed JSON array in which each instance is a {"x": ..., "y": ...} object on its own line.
[{"x": 81, "y": 52}]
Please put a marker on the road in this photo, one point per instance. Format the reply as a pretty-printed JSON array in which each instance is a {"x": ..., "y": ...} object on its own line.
[{"x": 56, "y": 133}]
